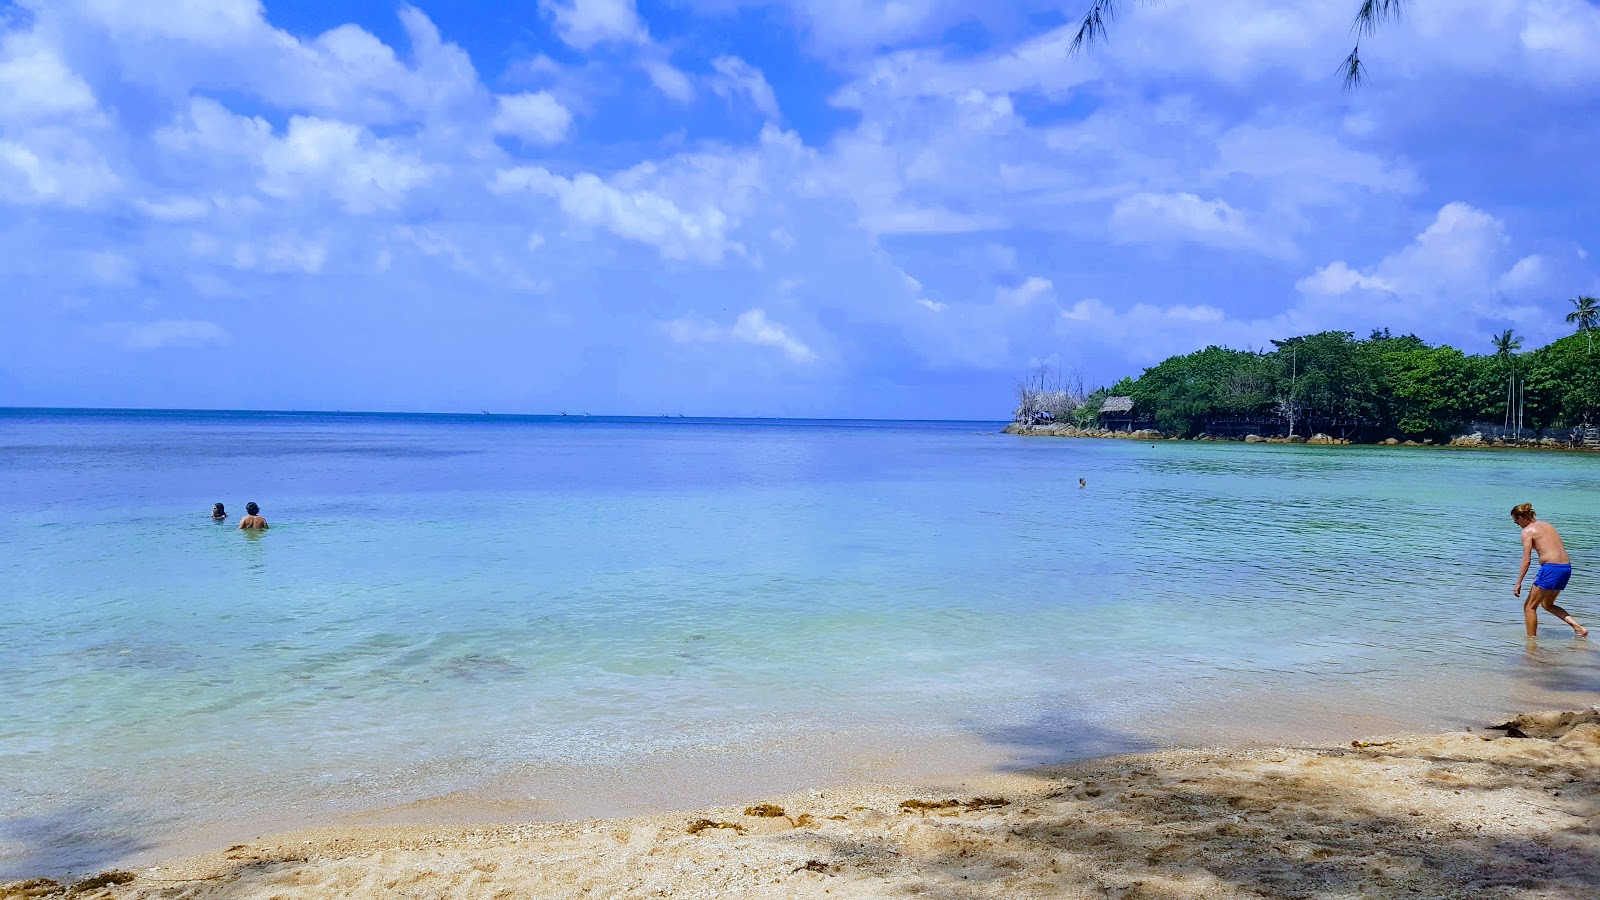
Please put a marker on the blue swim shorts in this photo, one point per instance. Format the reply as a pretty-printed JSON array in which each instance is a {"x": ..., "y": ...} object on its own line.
[{"x": 1553, "y": 576}]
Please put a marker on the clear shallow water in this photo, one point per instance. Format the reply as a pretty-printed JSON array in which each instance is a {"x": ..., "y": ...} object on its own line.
[{"x": 446, "y": 601}]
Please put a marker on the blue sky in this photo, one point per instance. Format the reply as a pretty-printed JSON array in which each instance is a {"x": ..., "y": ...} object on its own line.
[{"x": 762, "y": 207}]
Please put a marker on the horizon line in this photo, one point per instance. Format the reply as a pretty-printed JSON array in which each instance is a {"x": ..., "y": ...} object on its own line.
[{"x": 471, "y": 415}]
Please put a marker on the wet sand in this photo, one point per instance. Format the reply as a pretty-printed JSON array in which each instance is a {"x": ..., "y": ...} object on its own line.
[{"x": 1468, "y": 814}]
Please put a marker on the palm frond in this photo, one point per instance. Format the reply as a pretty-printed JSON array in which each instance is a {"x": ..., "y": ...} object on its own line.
[
  {"x": 1093, "y": 26},
  {"x": 1355, "y": 74},
  {"x": 1376, "y": 12}
]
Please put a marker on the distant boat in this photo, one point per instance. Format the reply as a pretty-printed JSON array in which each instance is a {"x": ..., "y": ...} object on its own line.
[{"x": 486, "y": 412}]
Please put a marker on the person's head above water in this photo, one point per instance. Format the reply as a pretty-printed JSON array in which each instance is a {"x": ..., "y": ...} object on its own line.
[
  {"x": 251, "y": 509},
  {"x": 1522, "y": 513},
  {"x": 217, "y": 511}
]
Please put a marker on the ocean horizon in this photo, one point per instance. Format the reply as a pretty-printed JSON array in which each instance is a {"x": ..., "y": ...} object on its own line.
[{"x": 647, "y": 613}]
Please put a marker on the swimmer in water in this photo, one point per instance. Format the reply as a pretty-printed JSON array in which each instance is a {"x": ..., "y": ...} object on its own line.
[
  {"x": 218, "y": 513},
  {"x": 252, "y": 520},
  {"x": 1082, "y": 483},
  {"x": 1555, "y": 569}
]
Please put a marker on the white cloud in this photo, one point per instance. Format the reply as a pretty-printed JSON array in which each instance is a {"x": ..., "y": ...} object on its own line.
[
  {"x": 54, "y": 168},
  {"x": 584, "y": 23},
  {"x": 1156, "y": 218},
  {"x": 163, "y": 333},
  {"x": 35, "y": 84},
  {"x": 533, "y": 118},
  {"x": 736, "y": 78},
  {"x": 1025, "y": 294},
  {"x": 1338, "y": 278},
  {"x": 668, "y": 80},
  {"x": 751, "y": 327},
  {"x": 345, "y": 161},
  {"x": 345, "y": 73},
  {"x": 1529, "y": 274},
  {"x": 639, "y": 215}
]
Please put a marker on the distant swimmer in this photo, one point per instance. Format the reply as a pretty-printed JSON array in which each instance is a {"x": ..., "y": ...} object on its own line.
[
  {"x": 252, "y": 520},
  {"x": 217, "y": 512},
  {"x": 1083, "y": 483},
  {"x": 1555, "y": 570}
]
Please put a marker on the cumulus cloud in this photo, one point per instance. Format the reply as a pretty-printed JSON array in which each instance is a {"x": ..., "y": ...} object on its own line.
[
  {"x": 751, "y": 327},
  {"x": 1157, "y": 218},
  {"x": 1449, "y": 281},
  {"x": 584, "y": 23},
  {"x": 37, "y": 85},
  {"x": 639, "y": 215},
  {"x": 361, "y": 172},
  {"x": 533, "y": 118},
  {"x": 1338, "y": 278}
]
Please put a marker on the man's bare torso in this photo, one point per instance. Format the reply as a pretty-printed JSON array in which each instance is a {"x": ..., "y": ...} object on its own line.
[
  {"x": 257, "y": 523},
  {"x": 1546, "y": 543}
]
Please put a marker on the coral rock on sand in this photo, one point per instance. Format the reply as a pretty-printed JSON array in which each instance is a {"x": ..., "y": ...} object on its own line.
[{"x": 1466, "y": 815}]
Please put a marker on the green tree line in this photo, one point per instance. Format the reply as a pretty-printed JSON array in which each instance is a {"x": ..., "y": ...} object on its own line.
[{"x": 1380, "y": 386}]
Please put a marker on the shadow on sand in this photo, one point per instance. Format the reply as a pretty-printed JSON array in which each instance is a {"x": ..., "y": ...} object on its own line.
[{"x": 75, "y": 839}]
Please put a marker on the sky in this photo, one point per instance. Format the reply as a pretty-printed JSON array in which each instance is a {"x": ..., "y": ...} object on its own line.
[{"x": 763, "y": 207}]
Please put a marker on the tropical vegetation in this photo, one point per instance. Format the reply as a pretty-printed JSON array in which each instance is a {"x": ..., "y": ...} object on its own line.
[{"x": 1369, "y": 388}]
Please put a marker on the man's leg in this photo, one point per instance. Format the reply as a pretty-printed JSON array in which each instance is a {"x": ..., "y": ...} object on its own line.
[
  {"x": 1530, "y": 610},
  {"x": 1547, "y": 599}
]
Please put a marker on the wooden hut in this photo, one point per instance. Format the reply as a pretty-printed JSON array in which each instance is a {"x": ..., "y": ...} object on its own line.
[{"x": 1116, "y": 414}]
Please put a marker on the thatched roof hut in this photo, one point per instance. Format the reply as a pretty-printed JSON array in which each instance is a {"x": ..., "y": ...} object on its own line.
[{"x": 1117, "y": 405}]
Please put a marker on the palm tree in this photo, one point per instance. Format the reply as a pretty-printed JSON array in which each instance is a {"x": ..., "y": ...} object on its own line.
[
  {"x": 1369, "y": 16},
  {"x": 1506, "y": 344},
  {"x": 1586, "y": 315}
]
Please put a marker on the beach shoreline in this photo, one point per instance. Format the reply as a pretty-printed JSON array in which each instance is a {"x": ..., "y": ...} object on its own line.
[
  {"x": 1454, "y": 814},
  {"x": 1459, "y": 442}
]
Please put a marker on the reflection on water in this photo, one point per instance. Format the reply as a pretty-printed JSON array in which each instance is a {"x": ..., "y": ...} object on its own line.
[{"x": 445, "y": 601}]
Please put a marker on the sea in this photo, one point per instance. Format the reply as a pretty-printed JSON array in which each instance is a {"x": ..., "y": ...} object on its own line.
[{"x": 492, "y": 617}]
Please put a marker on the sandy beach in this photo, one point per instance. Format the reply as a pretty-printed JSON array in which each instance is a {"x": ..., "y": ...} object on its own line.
[{"x": 1476, "y": 813}]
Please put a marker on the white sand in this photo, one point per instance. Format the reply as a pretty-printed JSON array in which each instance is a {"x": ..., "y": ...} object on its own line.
[{"x": 1470, "y": 814}]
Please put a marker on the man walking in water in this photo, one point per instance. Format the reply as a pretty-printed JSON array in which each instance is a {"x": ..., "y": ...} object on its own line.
[
  {"x": 1555, "y": 569},
  {"x": 252, "y": 520}
]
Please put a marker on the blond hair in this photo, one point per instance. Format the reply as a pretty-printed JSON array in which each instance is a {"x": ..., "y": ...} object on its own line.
[{"x": 1522, "y": 512}]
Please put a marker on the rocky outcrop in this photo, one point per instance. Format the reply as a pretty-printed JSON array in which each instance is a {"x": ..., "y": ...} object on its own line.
[
  {"x": 1145, "y": 434},
  {"x": 1390, "y": 442},
  {"x": 1254, "y": 439},
  {"x": 1474, "y": 439}
]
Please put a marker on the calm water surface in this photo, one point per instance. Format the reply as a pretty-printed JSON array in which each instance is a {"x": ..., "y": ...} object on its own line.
[{"x": 444, "y": 602}]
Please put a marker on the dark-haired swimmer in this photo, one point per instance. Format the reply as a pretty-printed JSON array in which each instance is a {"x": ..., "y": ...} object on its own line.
[
  {"x": 252, "y": 520},
  {"x": 218, "y": 513},
  {"x": 1555, "y": 569}
]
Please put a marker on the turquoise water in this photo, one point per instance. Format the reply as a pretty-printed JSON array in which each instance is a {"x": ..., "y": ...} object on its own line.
[{"x": 445, "y": 601}]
